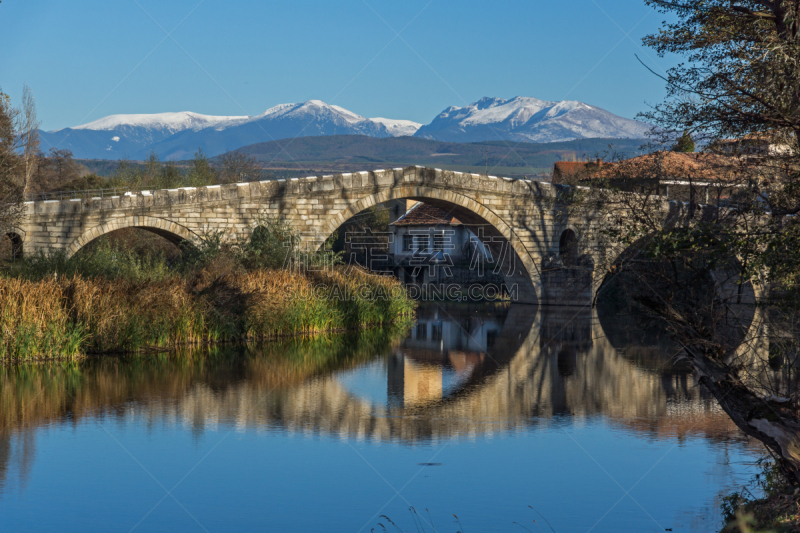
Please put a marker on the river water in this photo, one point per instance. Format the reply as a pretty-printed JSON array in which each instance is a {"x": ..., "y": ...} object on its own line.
[{"x": 508, "y": 417}]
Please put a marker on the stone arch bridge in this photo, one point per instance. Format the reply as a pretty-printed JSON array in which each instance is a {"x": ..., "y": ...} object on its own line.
[{"x": 523, "y": 220}]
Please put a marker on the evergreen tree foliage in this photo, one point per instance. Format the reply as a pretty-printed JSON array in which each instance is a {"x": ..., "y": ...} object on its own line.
[{"x": 685, "y": 143}]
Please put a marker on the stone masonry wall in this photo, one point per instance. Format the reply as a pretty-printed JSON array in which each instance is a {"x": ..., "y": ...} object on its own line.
[{"x": 524, "y": 213}]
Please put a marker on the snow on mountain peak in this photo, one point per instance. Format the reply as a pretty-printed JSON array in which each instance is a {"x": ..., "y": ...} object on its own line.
[
  {"x": 172, "y": 122},
  {"x": 528, "y": 119},
  {"x": 277, "y": 109},
  {"x": 398, "y": 128},
  {"x": 312, "y": 108},
  {"x": 178, "y": 135}
]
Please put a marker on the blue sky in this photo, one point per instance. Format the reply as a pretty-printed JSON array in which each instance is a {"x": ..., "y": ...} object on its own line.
[{"x": 89, "y": 58}]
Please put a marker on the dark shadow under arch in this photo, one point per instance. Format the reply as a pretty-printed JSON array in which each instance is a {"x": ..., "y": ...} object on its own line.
[
  {"x": 614, "y": 308},
  {"x": 12, "y": 245},
  {"x": 172, "y": 232}
]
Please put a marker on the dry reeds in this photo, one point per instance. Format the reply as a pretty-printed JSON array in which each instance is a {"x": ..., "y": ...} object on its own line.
[{"x": 68, "y": 317}]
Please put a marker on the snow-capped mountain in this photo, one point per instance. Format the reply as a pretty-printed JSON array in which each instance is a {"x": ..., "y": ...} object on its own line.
[
  {"x": 168, "y": 122},
  {"x": 398, "y": 128},
  {"x": 528, "y": 120},
  {"x": 118, "y": 136},
  {"x": 179, "y": 135},
  {"x": 308, "y": 119}
]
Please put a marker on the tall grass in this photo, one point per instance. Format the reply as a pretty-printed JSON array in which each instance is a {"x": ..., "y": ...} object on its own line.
[
  {"x": 35, "y": 321},
  {"x": 109, "y": 299},
  {"x": 66, "y": 317}
]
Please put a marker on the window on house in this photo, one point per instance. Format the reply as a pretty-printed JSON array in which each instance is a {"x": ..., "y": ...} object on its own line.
[
  {"x": 408, "y": 243},
  {"x": 436, "y": 332},
  {"x": 421, "y": 243}
]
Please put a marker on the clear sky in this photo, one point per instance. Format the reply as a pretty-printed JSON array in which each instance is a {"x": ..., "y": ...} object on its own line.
[{"x": 390, "y": 58}]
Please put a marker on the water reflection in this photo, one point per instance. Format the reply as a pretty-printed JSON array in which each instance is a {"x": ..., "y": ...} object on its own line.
[
  {"x": 458, "y": 372},
  {"x": 463, "y": 374},
  {"x": 444, "y": 351}
]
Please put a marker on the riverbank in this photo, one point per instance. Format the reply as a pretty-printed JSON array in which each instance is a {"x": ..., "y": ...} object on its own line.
[
  {"x": 69, "y": 317},
  {"x": 777, "y": 511}
]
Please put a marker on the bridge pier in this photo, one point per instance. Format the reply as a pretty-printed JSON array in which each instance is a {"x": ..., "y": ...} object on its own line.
[{"x": 567, "y": 285}]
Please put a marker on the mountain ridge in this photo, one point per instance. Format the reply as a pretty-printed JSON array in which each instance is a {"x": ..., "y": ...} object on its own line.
[
  {"x": 178, "y": 135},
  {"x": 528, "y": 119},
  {"x": 306, "y": 156}
]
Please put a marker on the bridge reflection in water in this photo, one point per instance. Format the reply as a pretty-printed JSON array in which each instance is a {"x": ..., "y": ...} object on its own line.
[
  {"x": 442, "y": 351},
  {"x": 460, "y": 371}
]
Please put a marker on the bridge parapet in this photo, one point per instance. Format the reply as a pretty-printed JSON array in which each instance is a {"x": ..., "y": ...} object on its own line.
[{"x": 374, "y": 180}]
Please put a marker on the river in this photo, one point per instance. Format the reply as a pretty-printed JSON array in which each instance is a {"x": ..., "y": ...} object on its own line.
[{"x": 508, "y": 417}]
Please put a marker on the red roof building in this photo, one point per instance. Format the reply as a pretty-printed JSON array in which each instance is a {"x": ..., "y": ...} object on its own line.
[{"x": 426, "y": 215}]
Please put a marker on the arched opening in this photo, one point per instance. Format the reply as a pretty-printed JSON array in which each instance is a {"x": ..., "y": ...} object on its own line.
[
  {"x": 143, "y": 242},
  {"x": 131, "y": 247},
  {"x": 568, "y": 247},
  {"x": 145, "y": 227},
  {"x": 131, "y": 253},
  {"x": 427, "y": 253},
  {"x": 568, "y": 276},
  {"x": 10, "y": 247},
  {"x": 365, "y": 238},
  {"x": 634, "y": 285}
]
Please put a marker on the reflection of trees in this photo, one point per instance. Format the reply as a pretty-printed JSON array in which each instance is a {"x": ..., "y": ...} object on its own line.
[
  {"x": 190, "y": 387},
  {"x": 542, "y": 365},
  {"x": 17, "y": 450}
]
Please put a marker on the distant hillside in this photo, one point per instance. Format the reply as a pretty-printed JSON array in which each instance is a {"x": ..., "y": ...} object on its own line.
[
  {"x": 349, "y": 153},
  {"x": 307, "y": 156}
]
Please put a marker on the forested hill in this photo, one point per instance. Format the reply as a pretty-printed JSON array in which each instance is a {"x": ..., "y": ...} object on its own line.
[{"x": 348, "y": 153}]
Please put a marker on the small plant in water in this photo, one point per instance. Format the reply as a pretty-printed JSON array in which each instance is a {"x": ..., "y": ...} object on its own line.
[{"x": 420, "y": 522}]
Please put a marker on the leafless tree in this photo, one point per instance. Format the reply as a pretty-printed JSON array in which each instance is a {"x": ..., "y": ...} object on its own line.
[
  {"x": 63, "y": 169},
  {"x": 690, "y": 263},
  {"x": 237, "y": 166},
  {"x": 28, "y": 131},
  {"x": 54, "y": 171},
  {"x": 11, "y": 167}
]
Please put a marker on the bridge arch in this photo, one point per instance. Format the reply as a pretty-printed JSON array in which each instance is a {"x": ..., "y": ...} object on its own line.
[
  {"x": 175, "y": 233},
  {"x": 747, "y": 319},
  {"x": 526, "y": 274},
  {"x": 16, "y": 239}
]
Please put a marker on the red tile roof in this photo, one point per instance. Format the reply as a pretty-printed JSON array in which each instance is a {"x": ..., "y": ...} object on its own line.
[
  {"x": 426, "y": 215},
  {"x": 564, "y": 170},
  {"x": 666, "y": 165},
  {"x": 671, "y": 165}
]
